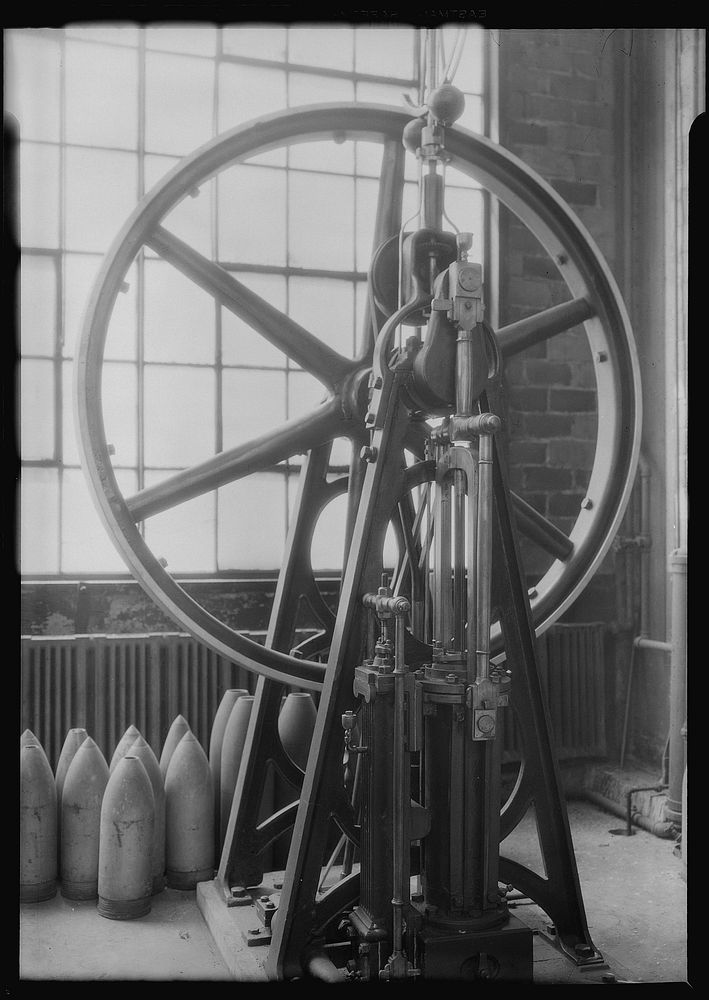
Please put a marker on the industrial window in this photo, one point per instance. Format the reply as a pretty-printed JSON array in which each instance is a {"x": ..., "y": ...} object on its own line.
[{"x": 103, "y": 113}]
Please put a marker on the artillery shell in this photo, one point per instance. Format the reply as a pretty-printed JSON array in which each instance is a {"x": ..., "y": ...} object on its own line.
[
  {"x": 189, "y": 816},
  {"x": 38, "y": 826},
  {"x": 125, "y": 880},
  {"x": 80, "y": 821}
]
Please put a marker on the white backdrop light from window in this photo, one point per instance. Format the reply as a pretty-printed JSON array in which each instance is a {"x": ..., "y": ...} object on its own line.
[
  {"x": 39, "y": 521},
  {"x": 252, "y": 216},
  {"x": 251, "y": 523},
  {"x": 39, "y": 195},
  {"x": 179, "y": 317},
  {"x": 86, "y": 546},
  {"x": 38, "y": 304},
  {"x": 36, "y": 409},
  {"x": 258, "y": 41},
  {"x": 253, "y": 402},
  {"x": 183, "y": 535},
  {"x": 178, "y": 106},
  {"x": 325, "y": 307},
  {"x": 179, "y": 415},
  {"x": 313, "y": 45},
  {"x": 120, "y": 406},
  {"x": 320, "y": 221},
  {"x": 101, "y": 192},
  {"x": 97, "y": 112}
]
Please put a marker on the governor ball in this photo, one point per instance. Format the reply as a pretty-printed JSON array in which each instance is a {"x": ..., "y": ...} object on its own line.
[
  {"x": 446, "y": 103},
  {"x": 411, "y": 136}
]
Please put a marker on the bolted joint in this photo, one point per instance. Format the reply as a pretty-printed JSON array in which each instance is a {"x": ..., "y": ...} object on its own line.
[{"x": 368, "y": 453}]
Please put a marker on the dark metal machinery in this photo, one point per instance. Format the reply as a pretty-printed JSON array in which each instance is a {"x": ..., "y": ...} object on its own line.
[{"x": 416, "y": 673}]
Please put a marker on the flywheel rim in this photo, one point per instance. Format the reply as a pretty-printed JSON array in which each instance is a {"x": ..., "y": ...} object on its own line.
[{"x": 520, "y": 189}]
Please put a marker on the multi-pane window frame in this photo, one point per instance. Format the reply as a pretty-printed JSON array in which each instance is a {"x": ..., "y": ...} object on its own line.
[{"x": 61, "y": 545}]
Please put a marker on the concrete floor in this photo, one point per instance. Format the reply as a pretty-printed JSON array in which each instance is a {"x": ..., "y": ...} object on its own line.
[{"x": 634, "y": 891}]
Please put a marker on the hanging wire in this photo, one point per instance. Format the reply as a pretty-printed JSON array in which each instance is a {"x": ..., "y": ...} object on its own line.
[{"x": 456, "y": 54}]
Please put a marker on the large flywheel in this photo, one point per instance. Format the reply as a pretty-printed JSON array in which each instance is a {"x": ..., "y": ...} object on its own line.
[{"x": 595, "y": 303}]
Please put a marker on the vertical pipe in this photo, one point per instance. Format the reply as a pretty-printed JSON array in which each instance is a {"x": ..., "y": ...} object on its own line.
[
  {"x": 459, "y": 601},
  {"x": 678, "y": 683},
  {"x": 442, "y": 539},
  {"x": 399, "y": 792},
  {"x": 484, "y": 556}
]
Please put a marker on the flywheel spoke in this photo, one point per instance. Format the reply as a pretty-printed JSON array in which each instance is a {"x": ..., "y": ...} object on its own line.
[
  {"x": 295, "y": 341},
  {"x": 259, "y": 453},
  {"x": 536, "y": 527},
  {"x": 526, "y": 333}
]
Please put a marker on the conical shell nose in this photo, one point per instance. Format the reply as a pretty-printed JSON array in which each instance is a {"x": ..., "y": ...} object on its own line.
[
  {"x": 124, "y": 744},
  {"x": 177, "y": 730}
]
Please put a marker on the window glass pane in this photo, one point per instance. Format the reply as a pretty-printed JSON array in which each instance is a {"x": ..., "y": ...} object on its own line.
[
  {"x": 39, "y": 521},
  {"x": 86, "y": 545},
  {"x": 36, "y": 409},
  {"x": 198, "y": 39},
  {"x": 361, "y": 300},
  {"x": 384, "y": 51},
  {"x": 184, "y": 535},
  {"x": 456, "y": 178},
  {"x": 330, "y": 157},
  {"x": 371, "y": 92},
  {"x": 313, "y": 45},
  {"x": 252, "y": 215},
  {"x": 410, "y": 205},
  {"x": 120, "y": 413},
  {"x": 253, "y": 402},
  {"x": 306, "y": 88},
  {"x": 240, "y": 344},
  {"x": 247, "y": 92},
  {"x": 251, "y": 523},
  {"x": 258, "y": 41},
  {"x": 305, "y": 393},
  {"x": 32, "y": 87},
  {"x": 101, "y": 95},
  {"x": 179, "y": 416},
  {"x": 329, "y": 536},
  {"x": 179, "y": 317},
  {"x": 465, "y": 209},
  {"x": 312, "y": 88},
  {"x": 367, "y": 196},
  {"x": 325, "y": 307},
  {"x": 101, "y": 192},
  {"x": 341, "y": 453},
  {"x": 178, "y": 103},
  {"x": 369, "y": 158},
  {"x": 39, "y": 195},
  {"x": 472, "y": 117},
  {"x": 117, "y": 34},
  {"x": 320, "y": 221},
  {"x": 38, "y": 304},
  {"x": 469, "y": 75}
]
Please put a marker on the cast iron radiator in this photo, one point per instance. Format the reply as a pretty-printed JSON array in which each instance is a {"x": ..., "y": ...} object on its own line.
[{"x": 105, "y": 683}]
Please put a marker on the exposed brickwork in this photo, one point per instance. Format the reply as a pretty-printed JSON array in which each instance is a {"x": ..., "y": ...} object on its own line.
[{"x": 556, "y": 116}]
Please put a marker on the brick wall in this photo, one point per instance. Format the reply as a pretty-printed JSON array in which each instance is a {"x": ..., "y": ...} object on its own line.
[{"x": 557, "y": 114}]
